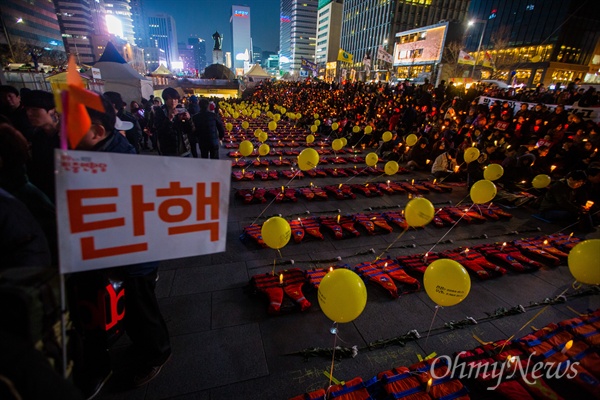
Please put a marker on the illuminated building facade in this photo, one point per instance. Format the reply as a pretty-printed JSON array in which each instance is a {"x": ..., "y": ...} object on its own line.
[
  {"x": 241, "y": 37},
  {"x": 74, "y": 18},
  {"x": 329, "y": 29},
  {"x": 297, "y": 29},
  {"x": 534, "y": 42},
  {"x": 163, "y": 35}
]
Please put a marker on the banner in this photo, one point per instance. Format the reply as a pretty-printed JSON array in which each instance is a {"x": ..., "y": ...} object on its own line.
[
  {"x": 465, "y": 58},
  {"x": 488, "y": 61},
  {"x": 384, "y": 55},
  {"x": 592, "y": 113},
  {"x": 343, "y": 56},
  {"x": 309, "y": 65},
  {"x": 122, "y": 209}
]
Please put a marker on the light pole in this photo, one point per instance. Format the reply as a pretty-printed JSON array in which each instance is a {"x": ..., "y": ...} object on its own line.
[{"x": 471, "y": 23}]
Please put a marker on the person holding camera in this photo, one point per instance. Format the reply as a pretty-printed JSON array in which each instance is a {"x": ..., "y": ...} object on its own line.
[{"x": 172, "y": 124}]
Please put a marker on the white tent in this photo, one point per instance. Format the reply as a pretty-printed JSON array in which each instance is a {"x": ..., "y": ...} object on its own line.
[
  {"x": 118, "y": 76},
  {"x": 257, "y": 73}
]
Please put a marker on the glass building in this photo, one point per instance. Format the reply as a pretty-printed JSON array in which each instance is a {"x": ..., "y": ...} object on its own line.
[
  {"x": 534, "y": 42},
  {"x": 163, "y": 35},
  {"x": 241, "y": 37},
  {"x": 297, "y": 28}
]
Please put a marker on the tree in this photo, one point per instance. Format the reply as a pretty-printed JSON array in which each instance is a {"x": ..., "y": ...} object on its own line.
[{"x": 452, "y": 68}]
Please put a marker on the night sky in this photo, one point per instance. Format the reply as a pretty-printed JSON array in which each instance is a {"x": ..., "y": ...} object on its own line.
[{"x": 204, "y": 17}]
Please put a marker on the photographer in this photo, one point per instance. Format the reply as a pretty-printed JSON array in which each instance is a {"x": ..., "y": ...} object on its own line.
[{"x": 172, "y": 124}]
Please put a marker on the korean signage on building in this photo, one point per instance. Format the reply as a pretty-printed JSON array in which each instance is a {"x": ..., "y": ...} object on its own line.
[{"x": 123, "y": 209}]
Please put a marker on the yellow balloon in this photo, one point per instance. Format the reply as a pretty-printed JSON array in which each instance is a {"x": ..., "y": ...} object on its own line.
[
  {"x": 335, "y": 126},
  {"x": 308, "y": 159},
  {"x": 411, "y": 139},
  {"x": 483, "y": 191},
  {"x": 471, "y": 154},
  {"x": 264, "y": 149},
  {"x": 269, "y": 114},
  {"x": 368, "y": 129},
  {"x": 371, "y": 159},
  {"x": 236, "y": 114},
  {"x": 391, "y": 167},
  {"x": 446, "y": 282},
  {"x": 583, "y": 262},
  {"x": 317, "y": 122},
  {"x": 245, "y": 124},
  {"x": 337, "y": 144},
  {"x": 316, "y": 116},
  {"x": 246, "y": 148},
  {"x": 272, "y": 125},
  {"x": 541, "y": 181},
  {"x": 344, "y": 141},
  {"x": 229, "y": 126},
  {"x": 493, "y": 172},
  {"x": 257, "y": 132},
  {"x": 356, "y": 129},
  {"x": 310, "y": 139},
  {"x": 298, "y": 115},
  {"x": 387, "y": 136},
  {"x": 283, "y": 110},
  {"x": 276, "y": 232},
  {"x": 277, "y": 117},
  {"x": 313, "y": 128},
  {"x": 419, "y": 212},
  {"x": 342, "y": 295},
  {"x": 262, "y": 137}
]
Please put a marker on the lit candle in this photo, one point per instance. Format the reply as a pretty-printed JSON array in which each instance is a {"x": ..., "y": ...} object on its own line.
[
  {"x": 466, "y": 252},
  {"x": 340, "y": 186},
  {"x": 570, "y": 236},
  {"x": 427, "y": 161},
  {"x": 300, "y": 220},
  {"x": 412, "y": 182},
  {"x": 388, "y": 183},
  {"x": 568, "y": 345},
  {"x": 384, "y": 267},
  {"x": 552, "y": 168},
  {"x": 282, "y": 189},
  {"x": 281, "y": 279},
  {"x": 429, "y": 383},
  {"x": 588, "y": 204},
  {"x": 456, "y": 168},
  {"x": 545, "y": 242},
  {"x": 435, "y": 180},
  {"x": 243, "y": 171},
  {"x": 425, "y": 258},
  {"x": 330, "y": 269},
  {"x": 473, "y": 144},
  {"x": 503, "y": 246},
  {"x": 311, "y": 184},
  {"x": 338, "y": 218}
]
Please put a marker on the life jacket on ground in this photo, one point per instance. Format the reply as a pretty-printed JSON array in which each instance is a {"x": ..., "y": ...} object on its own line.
[
  {"x": 291, "y": 285},
  {"x": 509, "y": 256}
]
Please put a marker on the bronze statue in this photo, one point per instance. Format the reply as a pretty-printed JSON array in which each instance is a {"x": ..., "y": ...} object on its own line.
[{"x": 218, "y": 40}]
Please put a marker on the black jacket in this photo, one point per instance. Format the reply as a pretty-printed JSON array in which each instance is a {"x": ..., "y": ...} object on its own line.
[{"x": 208, "y": 128}]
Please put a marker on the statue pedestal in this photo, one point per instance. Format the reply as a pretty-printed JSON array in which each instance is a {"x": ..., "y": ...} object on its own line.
[{"x": 218, "y": 57}]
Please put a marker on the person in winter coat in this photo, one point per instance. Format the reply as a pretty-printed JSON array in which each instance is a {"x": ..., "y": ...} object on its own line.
[{"x": 208, "y": 131}]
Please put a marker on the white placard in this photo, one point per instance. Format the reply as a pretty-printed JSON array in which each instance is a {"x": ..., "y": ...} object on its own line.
[
  {"x": 122, "y": 209},
  {"x": 96, "y": 74}
]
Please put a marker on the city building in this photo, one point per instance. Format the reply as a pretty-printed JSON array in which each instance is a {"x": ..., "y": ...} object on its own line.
[
  {"x": 227, "y": 62},
  {"x": 199, "y": 48},
  {"x": 153, "y": 57},
  {"x": 329, "y": 30},
  {"x": 529, "y": 42},
  {"x": 241, "y": 38},
  {"x": 257, "y": 55},
  {"x": 186, "y": 55},
  {"x": 163, "y": 35},
  {"x": 140, "y": 22},
  {"x": 297, "y": 30},
  {"x": 368, "y": 24},
  {"x": 74, "y": 18},
  {"x": 29, "y": 24},
  {"x": 118, "y": 19}
]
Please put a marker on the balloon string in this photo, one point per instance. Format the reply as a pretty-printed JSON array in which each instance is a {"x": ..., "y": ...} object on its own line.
[
  {"x": 463, "y": 199},
  {"x": 269, "y": 205},
  {"x": 430, "y": 325},
  {"x": 452, "y": 227},
  {"x": 360, "y": 172},
  {"x": 573, "y": 224},
  {"x": 332, "y": 360},
  {"x": 531, "y": 320},
  {"x": 391, "y": 244},
  {"x": 371, "y": 178},
  {"x": 274, "y": 264}
]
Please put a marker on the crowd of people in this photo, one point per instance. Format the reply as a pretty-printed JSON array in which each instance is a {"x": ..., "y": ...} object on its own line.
[{"x": 527, "y": 142}]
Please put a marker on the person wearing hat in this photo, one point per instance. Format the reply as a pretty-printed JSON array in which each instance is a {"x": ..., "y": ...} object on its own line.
[
  {"x": 133, "y": 134},
  {"x": 44, "y": 138},
  {"x": 172, "y": 125},
  {"x": 13, "y": 111}
]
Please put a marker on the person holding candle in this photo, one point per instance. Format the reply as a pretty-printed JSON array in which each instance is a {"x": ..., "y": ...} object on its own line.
[{"x": 444, "y": 165}]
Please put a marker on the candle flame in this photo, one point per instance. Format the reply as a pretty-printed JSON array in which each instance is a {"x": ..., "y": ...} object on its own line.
[
  {"x": 545, "y": 242},
  {"x": 282, "y": 189},
  {"x": 571, "y": 235},
  {"x": 504, "y": 244},
  {"x": 340, "y": 186},
  {"x": 473, "y": 144},
  {"x": 281, "y": 279},
  {"x": 427, "y": 161},
  {"x": 311, "y": 184},
  {"x": 552, "y": 168},
  {"x": 412, "y": 182},
  {"x": 435, "y": 180},
  {"x": 568, "y": 345},
  {"x": 338, "y": 218},
  {"x": 243, "y": 171},
  {"x": 429, "y": 383},
  {"x": 330, "y": 269}
]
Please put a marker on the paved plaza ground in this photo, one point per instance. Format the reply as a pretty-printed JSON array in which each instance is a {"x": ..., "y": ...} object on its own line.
[{"x": 226, "y": 346}]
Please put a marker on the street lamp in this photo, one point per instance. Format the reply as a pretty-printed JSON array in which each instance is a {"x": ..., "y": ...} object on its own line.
[{"x": 471, "y": 23}]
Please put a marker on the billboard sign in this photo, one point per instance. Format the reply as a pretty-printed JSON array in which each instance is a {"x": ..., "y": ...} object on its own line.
[{"x": 420, "y": 46}]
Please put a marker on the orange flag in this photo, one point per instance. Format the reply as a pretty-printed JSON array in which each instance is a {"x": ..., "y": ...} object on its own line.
[{"x": 77, "y": 120}]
